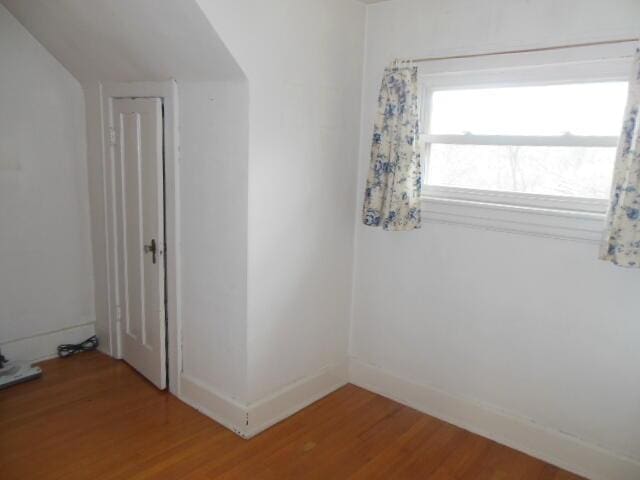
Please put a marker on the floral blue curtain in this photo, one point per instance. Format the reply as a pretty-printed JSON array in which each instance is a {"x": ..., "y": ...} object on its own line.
[
  {"x": 621, "y": 242},
  {"x": 392, "y": 195}
]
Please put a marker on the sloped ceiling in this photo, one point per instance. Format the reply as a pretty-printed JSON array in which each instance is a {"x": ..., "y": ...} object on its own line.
[{"x": 128, "y": 40}]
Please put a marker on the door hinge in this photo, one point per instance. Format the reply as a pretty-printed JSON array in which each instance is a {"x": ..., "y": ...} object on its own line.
[
  {"x": 112, "y": 136},
  {"x": 118, "y": 313}
]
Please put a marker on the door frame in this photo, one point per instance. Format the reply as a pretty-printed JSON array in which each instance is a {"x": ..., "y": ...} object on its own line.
[{"x": 168, "y": 92}]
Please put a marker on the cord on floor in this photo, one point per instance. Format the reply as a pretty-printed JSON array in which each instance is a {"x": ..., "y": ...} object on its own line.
[{"x": 69, "y": 349}]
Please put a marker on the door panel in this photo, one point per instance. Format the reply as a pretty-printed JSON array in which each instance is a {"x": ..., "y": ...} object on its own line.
[{"x": 139, "y": 193}]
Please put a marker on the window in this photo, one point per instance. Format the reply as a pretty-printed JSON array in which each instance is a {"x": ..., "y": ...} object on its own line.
[
  {"x": 549, "y": 140},
  {"x": 523, "y": 139}
]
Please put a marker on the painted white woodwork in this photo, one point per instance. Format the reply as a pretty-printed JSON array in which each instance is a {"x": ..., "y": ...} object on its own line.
[{"x": 137, "y": 143}]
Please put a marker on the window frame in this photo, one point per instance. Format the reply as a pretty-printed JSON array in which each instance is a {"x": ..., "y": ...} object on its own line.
[
  {"x": 559, "y": 217},
  {"x": 505, "y": 197}
]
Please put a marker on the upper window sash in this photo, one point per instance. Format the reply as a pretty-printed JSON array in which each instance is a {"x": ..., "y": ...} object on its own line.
[{"x": 589, "y": 64}]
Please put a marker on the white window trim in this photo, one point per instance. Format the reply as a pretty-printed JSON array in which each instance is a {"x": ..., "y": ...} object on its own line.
[
  {"x": 514, "y": 199},
  {"x": 540, "y": 222},
  {"x": 570, "y": 218},
  {"x": 567, "y": 140}
]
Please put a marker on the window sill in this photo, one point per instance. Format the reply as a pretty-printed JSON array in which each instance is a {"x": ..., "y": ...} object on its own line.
[{"x": 562, "y": 224}]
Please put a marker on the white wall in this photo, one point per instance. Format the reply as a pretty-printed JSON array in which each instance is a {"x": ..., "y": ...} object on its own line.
[
  {"x": 214, "y": 124},
  {"x": 303, "y": 60},
  {"x": 46, "y": 279},
  {"x": 534, "y": 327}
]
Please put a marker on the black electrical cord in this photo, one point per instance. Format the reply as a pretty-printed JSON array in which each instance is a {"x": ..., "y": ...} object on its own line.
[{"x": 69, "y": 349}]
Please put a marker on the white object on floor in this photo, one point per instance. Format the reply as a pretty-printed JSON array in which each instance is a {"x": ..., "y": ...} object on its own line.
[{"x": 12, "y": 373}]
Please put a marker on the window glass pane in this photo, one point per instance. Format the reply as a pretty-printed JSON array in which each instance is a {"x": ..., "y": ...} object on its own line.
[
  {"x": 581, "y": 109},
  {"x": 570, "y": 171}
]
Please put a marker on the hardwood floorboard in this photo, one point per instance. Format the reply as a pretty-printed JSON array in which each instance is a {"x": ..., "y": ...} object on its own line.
[{"x": 92, "y": 417}]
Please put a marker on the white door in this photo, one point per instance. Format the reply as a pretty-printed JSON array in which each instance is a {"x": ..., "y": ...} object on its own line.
[{"x": 139, "y": 193}]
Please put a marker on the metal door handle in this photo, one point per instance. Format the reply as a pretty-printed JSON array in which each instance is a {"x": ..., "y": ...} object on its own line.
[{"x": 151, "y": 248}]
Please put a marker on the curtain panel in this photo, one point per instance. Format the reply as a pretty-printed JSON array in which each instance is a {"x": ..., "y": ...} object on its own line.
[
  {"x": 621, "y": 241},
  {"x": 394, "y": 183}
]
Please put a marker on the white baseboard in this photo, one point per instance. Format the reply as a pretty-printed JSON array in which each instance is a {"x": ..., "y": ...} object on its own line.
[
  {"x": 220, "y": 408},
  {"x": 522, "y": 434},
  {"x": 295, "y": 397},
  {"x": 552, "y": 446},
  {"x": 249, "y": 420},
  {"x": 43, "y": 346}
]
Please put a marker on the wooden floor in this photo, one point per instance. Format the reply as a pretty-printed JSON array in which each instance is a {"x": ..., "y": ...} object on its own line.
[{"x": 91, "y": 417}]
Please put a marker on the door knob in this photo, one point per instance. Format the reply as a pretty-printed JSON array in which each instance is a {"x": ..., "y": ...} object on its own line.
[{"x": 151, "y": 248}]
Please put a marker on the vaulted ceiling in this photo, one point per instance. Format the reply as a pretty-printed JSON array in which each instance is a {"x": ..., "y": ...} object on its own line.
[{"x": 121, "y": 40}]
